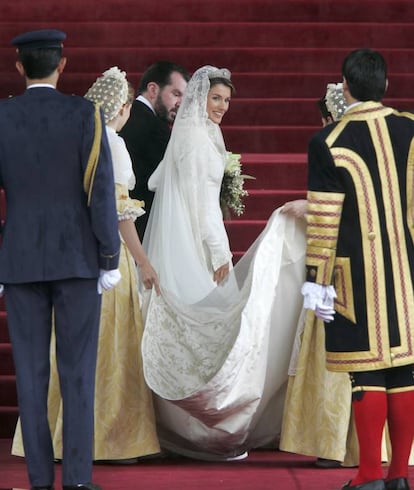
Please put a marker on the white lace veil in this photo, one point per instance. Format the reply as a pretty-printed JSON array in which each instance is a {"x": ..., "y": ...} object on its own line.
[
  {"x": 216, "y": 352},
  {"x": 193, "y": 106},
  {"x": 192, "y": 112},
  {"x": 173, "y": 238}
]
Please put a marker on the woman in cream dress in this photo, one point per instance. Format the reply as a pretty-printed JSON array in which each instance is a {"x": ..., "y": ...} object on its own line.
[
  {"x": 216, "y": 344},
  {"x": 124, "y": 415},
  {"x": 317, "y": 419}
]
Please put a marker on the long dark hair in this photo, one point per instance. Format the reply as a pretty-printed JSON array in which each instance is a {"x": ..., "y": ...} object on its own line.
[{"x": 223, "y": 81}]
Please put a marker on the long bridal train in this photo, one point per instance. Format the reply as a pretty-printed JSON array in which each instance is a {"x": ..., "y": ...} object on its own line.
[{"x": 219, "y": 367}]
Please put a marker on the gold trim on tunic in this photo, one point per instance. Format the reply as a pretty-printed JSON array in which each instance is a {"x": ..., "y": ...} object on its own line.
[
  {"x": 359, "y": 388},
  {"x": 380, "y": 355},
  {"x": 401, "y": 389},
  {"x": 344, "y": 302},
  {"x": 323, "y": 218},
  {"x": 410, "y": 190}
]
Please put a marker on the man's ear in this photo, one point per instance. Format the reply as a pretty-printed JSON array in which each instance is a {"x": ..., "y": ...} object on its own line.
[
  {"x": 61, "y": 65},
  {"x": 20, "y": 69},
  {"x": 386, "y": 84},
  {"x": 347, "y": 94},
  {"x": 153, "y": 90}
]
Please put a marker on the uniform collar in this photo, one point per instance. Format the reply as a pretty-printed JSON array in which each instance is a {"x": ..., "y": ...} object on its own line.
[
  {"x": 41, "y": 85},
  {"x": 366, "y": 110}
]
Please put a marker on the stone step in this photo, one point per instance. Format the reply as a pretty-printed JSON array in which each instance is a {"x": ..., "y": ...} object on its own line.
[
  {"x": 269, "y": 33},
  {"x": 6, "y": 359},
  {"x": 262, "y": 85},
  {"x": 8, "y": 393},
  {"x": 8, "y": 419},
  {"x": 66, "y": 13}
]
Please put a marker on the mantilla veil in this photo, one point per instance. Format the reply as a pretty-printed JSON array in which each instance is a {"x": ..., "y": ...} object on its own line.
[
  {"x": 176, "y": 227},
  {"x": 216, "y": 356}
]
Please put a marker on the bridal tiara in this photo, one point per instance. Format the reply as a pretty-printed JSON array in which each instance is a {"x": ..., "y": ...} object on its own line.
[{"x": 220, "y": 73}]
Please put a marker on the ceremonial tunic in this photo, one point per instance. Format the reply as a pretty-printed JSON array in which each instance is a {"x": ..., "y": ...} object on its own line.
[{"x": 360, "y": 235}]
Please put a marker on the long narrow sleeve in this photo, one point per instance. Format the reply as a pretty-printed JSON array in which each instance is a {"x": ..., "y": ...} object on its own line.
[
  {"x": 201, "y": 169},
  {"x": 323, "y": 214}
]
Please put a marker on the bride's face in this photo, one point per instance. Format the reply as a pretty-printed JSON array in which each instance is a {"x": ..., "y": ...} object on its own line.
[{"x": 218, "y": 101}]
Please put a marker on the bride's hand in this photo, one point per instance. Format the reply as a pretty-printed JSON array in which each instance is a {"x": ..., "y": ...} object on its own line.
[
  {"x": 149, "y": 277},
  {"x": 297, "y": 208},
  {"x": 221, "y": 273}
]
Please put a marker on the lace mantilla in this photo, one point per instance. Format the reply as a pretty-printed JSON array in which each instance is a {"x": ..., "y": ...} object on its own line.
[
  {"x": 193, "y": 105},
  {"x": 110, "y": 91},
  {"x": 335, "y": 100}
]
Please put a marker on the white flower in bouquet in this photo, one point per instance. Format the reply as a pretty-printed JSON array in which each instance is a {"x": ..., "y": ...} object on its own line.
[
  {"x": 232, "y": 163},
  {"x": 232, "y": 187}
]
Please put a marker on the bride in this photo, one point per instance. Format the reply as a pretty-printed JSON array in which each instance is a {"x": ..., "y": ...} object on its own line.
[{"x": 217, "y": 340}]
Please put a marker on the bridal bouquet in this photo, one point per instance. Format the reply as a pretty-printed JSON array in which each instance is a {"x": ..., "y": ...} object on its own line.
[{"x": 232, "y": 190}]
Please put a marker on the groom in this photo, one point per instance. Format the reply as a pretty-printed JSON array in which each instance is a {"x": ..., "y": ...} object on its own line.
[{"x": 147, "y": 130}]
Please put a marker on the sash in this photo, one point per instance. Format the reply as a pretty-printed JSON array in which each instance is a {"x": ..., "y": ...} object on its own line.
[{"x": 93, "y": 160}]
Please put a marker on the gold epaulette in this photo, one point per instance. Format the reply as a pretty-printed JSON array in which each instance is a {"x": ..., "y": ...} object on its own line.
[
  {"x": 90, "y": 171},
  {"x": 323, "y": 218}
]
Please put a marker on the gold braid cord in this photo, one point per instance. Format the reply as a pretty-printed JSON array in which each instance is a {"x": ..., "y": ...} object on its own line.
[
  {"x": 90, "y": 171},
  {"x": 323, "y": 218}
]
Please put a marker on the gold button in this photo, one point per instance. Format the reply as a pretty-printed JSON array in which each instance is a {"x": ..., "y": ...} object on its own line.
[{"x": 371, "y": 235}]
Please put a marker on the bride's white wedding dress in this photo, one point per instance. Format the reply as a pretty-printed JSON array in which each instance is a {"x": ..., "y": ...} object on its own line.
[{"x": 216, "y": 357}]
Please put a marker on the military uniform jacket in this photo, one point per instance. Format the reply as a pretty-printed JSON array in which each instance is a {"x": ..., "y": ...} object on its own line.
[
  {"x": 51, "y": 232},
  {"x": 360, "y": 235}
]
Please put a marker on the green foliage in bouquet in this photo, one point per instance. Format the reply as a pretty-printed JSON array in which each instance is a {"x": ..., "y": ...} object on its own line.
[{"x": 232, "y": 186}]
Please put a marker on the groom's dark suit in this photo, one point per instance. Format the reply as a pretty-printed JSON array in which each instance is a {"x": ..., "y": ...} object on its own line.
[
  {"x": 53, "y": 247},
  {"x": 146, "y": 136}
]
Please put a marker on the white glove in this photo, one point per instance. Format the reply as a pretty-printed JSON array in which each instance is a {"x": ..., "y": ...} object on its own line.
[
  {"x": 108, "y": 279},
  {"x": 325, "y": 313},
  {"x": 320, "y": 299}
]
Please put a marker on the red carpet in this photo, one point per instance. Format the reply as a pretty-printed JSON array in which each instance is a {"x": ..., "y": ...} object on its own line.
[{"x": 262, "y": 470}]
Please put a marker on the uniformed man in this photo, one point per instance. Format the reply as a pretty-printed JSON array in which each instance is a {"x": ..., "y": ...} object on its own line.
[
  {"x": 360, "y": 263},
  {"x": 60, "y": 245}
]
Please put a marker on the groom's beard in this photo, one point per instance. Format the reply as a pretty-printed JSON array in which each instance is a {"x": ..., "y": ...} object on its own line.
[{"x": 162, "y": 112}]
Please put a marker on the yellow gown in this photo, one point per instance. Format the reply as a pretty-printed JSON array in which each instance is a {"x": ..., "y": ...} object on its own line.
[{"x": 317, "y": 417}]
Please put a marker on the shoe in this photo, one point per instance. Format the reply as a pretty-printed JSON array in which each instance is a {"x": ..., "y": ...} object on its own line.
[
  {"x": 82, "y": 486},
  {"x": 397, "y": 484},
  {"x": 238, "y": 457},
  {"x": 370, "y": 485},
  {"x": 327, "y": 463}
]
